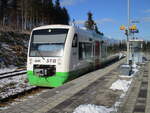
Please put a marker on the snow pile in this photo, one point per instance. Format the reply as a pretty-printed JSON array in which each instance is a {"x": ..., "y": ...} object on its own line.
[
  {"x": 121, "y": 55},
  {"x": 90, "y": 108},
  {"x": 134, "y": 65},
  {"x": 125, "y": 65},
  {"x": 121, "y": 85},
  {"x": 135, "y": 71}
]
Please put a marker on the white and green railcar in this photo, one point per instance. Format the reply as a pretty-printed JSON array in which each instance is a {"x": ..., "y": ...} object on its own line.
[{"x": 59, "y": 53}]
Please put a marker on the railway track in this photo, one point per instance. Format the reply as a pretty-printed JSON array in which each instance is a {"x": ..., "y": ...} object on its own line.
[
  {"x": 18, "y": 70},
  {"x": 13, "y": 73},
  {"x": 18, "y": 94}
]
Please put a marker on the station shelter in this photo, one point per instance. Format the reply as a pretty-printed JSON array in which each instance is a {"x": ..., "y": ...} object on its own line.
[{"x": 136, "y": 54}]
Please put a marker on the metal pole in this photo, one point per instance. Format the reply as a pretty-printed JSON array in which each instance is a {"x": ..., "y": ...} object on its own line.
[
  {"x": 128, "y": 14},
  {"x": 128, "y": 48}
]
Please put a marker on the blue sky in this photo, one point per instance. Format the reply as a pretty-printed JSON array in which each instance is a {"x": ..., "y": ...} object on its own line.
[{"x": 111, "y": 14}]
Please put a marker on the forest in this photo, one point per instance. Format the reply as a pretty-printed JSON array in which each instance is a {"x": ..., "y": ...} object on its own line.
[
  {"x": 26, "y": 14},
  {"x": 121, "y": 46}
]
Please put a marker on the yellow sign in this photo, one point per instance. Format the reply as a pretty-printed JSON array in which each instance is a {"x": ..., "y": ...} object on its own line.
[
  {"x": 133, "y": 27},
  {"x": 122, "y": 27}
]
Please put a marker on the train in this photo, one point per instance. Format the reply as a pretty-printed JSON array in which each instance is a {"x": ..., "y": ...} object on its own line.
[{"x": 60, "y": 53}]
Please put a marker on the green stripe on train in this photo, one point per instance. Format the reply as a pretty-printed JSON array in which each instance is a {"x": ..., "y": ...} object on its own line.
[
  {"x": 59, "y": 78},
  {"x": 56, "y": 80},
  {"x": 52, "y": 81}
]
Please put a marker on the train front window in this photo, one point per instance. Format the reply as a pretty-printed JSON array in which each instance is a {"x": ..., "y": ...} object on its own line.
[{"x": 48, "y": 42}]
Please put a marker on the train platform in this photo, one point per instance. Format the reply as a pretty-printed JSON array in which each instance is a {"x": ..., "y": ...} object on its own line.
[
  {"x": 91, "y": 88},
  {"x": 138, "y": 98}
]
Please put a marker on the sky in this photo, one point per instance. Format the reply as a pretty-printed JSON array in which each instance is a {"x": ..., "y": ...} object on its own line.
[{"x": 111, "y": 14}]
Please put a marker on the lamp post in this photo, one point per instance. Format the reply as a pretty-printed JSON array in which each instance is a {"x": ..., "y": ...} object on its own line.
[
  {"x": 128, "y": 30},
  {"x": 128, "y": 33}
]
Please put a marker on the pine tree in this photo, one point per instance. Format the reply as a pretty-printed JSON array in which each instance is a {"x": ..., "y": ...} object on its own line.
[
  {"x": 90, "y": 24},
  {"x": 66, "y": 17},
  {"x": 26, "y": 14},
  {"x": 97, "y": 30},
  {"x": 14, "y": 12},
  {"x": 3, "y": 12},
  {"x": 57, "y": 4}
]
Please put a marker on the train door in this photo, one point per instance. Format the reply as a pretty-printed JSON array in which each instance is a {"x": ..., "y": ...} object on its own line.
[
  {"x": 74, "y": 53},
  {"x": 97, "y": 54}
]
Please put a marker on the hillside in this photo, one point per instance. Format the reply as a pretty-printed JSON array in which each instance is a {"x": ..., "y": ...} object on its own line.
[{"x": 13, "y": 49}]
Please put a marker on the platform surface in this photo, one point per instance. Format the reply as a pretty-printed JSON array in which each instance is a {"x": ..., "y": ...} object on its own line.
[{"x": 89, "y": 88}]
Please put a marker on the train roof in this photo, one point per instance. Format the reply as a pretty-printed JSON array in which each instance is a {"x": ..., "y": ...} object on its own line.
[
  {"x": 91, "y": 33},
  {"x": 52, "y": 26}
]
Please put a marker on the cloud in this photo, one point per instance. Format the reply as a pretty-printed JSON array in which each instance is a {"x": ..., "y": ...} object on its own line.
[
  {"x": 70, "y": 2},
  {"x": 67, "y": 2},
  {"x": 145, "y": 19},
  {"x": 80, "y": 22},
  {"x": 100, "y": 21},
  {"x": 105, "y": 20},
  {"x": 147, "y": 11}
]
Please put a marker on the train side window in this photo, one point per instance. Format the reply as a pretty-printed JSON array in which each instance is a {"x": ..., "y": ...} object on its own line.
[
  {"x": 74, "y": 41},
  {"x": 81, "y": 52},
  {"x": 85, "y": 50}
]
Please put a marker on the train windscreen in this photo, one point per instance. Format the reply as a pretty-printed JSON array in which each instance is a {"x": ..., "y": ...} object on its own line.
[{"x": 48, "y": 42}]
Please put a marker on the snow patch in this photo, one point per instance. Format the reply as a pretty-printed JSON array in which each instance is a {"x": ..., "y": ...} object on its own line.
[
  {"x": 3, "y": 108},
  {"x": 122, "y": 95},
  {"x": 91, "y": 108},
  {"x": 12, "y": 68},
  {"x": 13, "y": 85},
  {"x": 122, "y": 85}
]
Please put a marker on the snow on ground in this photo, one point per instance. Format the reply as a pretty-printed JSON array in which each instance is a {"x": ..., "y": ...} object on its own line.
[
  {"x": 19, "y": 100},
  {"x": 135, "y": 70},
  {"x": 91, "y": 108},
  {"x": 125, "y": 65},
  {"x": 12, "y": 68},
  {"x": 3, "y": 108},
  {"x": 122, "y": 85},
  {"x": 13, "y": 85}
]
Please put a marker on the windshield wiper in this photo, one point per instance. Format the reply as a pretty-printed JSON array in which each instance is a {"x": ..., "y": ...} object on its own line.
[{"x": 40, "y": 54}]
